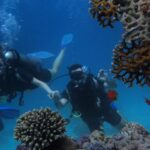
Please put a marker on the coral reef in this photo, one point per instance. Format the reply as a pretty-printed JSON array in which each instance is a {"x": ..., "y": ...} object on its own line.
[
  {"x": 104, "y": 11},
  {"x": 131, "y": 58},
  {"x": 136, "y": 20},
  {"x": 96, "y": 146},
  {"x": 21, "y": 147},
  {"x": 63, "y": 143},
  {"x": 131, "y": 137},
  {"x": 38, "y": 129},
  {"x": 131, "y": 61},
  {"x": 95, "y": 141}
]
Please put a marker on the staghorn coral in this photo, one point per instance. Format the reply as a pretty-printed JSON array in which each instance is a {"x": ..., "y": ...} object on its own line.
[
  {"x": 132, "y": 63},
  {"x": 104, "y": 11},
  {"x": 38, "y": 129}
]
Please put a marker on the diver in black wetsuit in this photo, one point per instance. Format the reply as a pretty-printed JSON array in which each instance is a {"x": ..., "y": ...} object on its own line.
[
  {"x": 87, "y": 95},
  {"x": 19, "y": 73}
]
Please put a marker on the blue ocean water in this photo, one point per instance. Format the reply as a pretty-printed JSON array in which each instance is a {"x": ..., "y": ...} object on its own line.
[{"x": 35, "y": 25}]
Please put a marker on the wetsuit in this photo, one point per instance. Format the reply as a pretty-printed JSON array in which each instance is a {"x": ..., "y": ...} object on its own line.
[
  {"x": 16, "y": 74},
  {"x": 90, "y": 99}
]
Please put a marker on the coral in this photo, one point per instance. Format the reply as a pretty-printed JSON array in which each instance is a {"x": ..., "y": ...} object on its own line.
[
  {"x": 96, "y": 146},
  {"x": 97, "y": 135},
  {"x": 21, "y": 147},
  {"x": 95, "y": 141},
  {"x": 133, "y": 14},
  {"x": 131, "y": 129},
  {"x": 38, "y": 129},
  {"x": 131, "y": 63},
  {"x": 105, "y": 12},
  {"x": 132, "y": 137},
  {"x": 63, "y": 143},
  {"x": 82, "y": 142},
  {"x": 89, "y": 145},
  {"x": 136, "y": 20}
]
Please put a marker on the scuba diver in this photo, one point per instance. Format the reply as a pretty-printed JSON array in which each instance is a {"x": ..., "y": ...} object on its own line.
[
  {"x": 88, "y": 98},
  {"x": 19, "y": 73}
]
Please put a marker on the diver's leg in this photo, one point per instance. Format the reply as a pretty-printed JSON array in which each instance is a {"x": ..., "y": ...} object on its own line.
[
  {"x": 92, "y": 123},
  {"x": 57, "y": 63},
  {"x": 1, "y": 125},
  {"x": 114, "y": 118}
]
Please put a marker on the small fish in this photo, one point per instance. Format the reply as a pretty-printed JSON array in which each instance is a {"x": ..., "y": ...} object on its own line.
[
  {"x": 112, "y": 95},
  {"x": 147, "y": 101}
]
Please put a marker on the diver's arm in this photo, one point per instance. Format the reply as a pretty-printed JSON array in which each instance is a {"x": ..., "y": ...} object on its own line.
[
  {"x": 62, "y": 100},
  {"x": 44, "y": 86},
  {"x": 57, "y": 63}
]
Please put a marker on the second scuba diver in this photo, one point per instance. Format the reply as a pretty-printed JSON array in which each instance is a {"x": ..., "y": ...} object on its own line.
[
  {"x": 19, "y": 73},
  {"x": 89, "y": 99}
]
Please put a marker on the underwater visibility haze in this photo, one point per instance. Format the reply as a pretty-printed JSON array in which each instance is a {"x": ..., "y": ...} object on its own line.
[{"x": 110, "y": 38}]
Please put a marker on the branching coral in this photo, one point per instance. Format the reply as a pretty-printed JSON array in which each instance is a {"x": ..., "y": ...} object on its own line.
[
  {"x": 134, "y": 15},
  {"x": 38, "y": 129},
  {"x": 132, "y": 64},
  {"x": 131, "y": 61},
  {"x": 104, "y": 11},
  {"x": 136, "y": 20}
]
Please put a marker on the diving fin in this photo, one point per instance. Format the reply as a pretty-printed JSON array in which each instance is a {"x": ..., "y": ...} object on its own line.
[
  {"x": 66, "y": 39},
  {"x": 8, "y": 112},
  {"x": 40, "y": 55}
]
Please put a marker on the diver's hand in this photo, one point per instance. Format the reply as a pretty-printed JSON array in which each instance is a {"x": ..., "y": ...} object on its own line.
[
  {"x": 60, "y": 103},
  {"x": 63, "y": 101},
  {"x": 55, "y": 95}
]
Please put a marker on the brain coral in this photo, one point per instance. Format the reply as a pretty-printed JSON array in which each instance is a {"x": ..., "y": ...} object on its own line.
[{"x": 39, "y": 128}]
